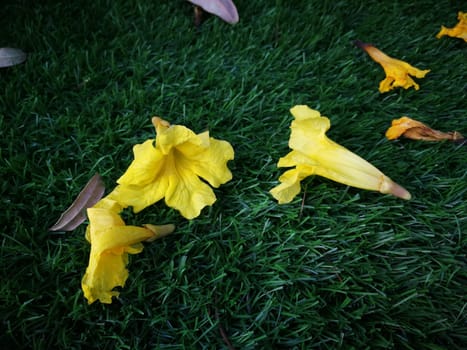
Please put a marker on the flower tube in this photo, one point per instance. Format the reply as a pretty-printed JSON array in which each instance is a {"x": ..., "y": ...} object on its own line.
[{"x": 313, "y": 153}]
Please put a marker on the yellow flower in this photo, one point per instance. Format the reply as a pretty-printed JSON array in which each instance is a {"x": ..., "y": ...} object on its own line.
[
  {"x": 111, "y": 242},
  {"x": 171, "y": 166},
  {"x": 398, "y": 73},
  {"x": 416, "y": 130},
  {"x": 313, "y": 153},
  {"x": 459, "y": 31}
]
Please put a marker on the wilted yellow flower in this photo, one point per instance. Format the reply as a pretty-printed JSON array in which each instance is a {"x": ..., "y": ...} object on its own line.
[
  {"x": 313, "y": 153},
  {"x": 111, "y": 242},
  {"x": 459, "y": 31},
  {"x": 416, "y": 130},
  {"x": 398, "y": 73},
  {"x": 171, "y": 166}
]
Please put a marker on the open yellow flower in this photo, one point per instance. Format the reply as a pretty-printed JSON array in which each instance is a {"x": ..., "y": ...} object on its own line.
[
  {"x": 459, "y": 31},
  {"x": 171, "y": 166},
  {"x": 313, "y": 153},
  {"x": 111, "y": 242},
  {"x": 413, "y": 129},
  {"x": 398, "y": 73}
]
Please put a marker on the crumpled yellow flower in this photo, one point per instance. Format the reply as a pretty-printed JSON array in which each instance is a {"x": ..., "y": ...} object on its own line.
[
  {"x": 413, "y": 129},
  {"x": 313, "y": 153},
  {"x": 171, "y": 166},
  {"x": 459, "y": 31},
  {"x": 398, "y": 73},
  {"x": 111, "y": 242}
]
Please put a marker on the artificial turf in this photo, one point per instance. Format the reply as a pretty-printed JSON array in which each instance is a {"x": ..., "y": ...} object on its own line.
[{"x": 338, "y": 268}]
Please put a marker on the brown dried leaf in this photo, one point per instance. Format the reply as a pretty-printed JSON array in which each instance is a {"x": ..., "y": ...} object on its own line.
[{"x": 75, "y": 214}]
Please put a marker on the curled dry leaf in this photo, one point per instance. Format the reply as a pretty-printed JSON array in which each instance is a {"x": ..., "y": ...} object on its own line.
[
  {"x": 10, "y": 56},
  {"x": 416, "y": 130},
  {"x": 76, "y": 213},
  {"x": 225, "y": 9}
]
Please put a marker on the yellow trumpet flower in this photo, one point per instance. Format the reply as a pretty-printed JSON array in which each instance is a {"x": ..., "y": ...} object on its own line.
[
  {"x": 111, "y": 242},
  {"x": 459, "y": 31},
  {"x": 398, "y": 73},
  {"x": 313, "y": 153},
  {"x": 171, "y": 166}
]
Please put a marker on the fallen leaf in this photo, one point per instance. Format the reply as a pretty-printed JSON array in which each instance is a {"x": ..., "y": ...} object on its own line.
[
  {"x": 75, "y": 214},
  {"x": 10, "y": 57}
]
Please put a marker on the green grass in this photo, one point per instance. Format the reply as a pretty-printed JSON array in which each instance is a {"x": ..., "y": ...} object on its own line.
[{"x": 338, "y": 268}]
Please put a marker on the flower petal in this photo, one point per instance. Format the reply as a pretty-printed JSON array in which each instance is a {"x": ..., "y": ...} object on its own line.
[
  {"x": 140, "y": 197},
  {"x": 109, "y": 204},
  {"x": 289, "y": 185},
  {"x": 104, "y": 273},
  {"x": 187, "y": 193},
  {"x": 174, "y": 136},
  {"x": 401, "y": 125},
  {"x": 147, "y": 163},
  {"x": 309, "y": 123},
  {"x": 210, "y": 162},
  {"x": 459, "y": 31}
]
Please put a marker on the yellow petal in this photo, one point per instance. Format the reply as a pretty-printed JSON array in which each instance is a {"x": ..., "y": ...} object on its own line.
[
  {"x": 308, "y": 134},
  {"x": 175, "y": 135},
  {"x": 296, "y": 157},
  {"x": 401, "y": 125},
  {"x": 145, "y": 167},
  {"x": 289, "y": 185},
  {"x": 397, "y": 72},
  {"x": 109, "y": 204},
  {"x": 140, "y": 197},
  {"x": 112, "y": 219},
  {"x": 303, "y": 112},
  {"x": 459, "y": 31},
  {"x": 102, "y": 218},
  {"x": 314, "y": 153},
  {"x": 104, "y": 273},
  {"x": 210, "y": 163},
  {"x": 188, "y": 194}
]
